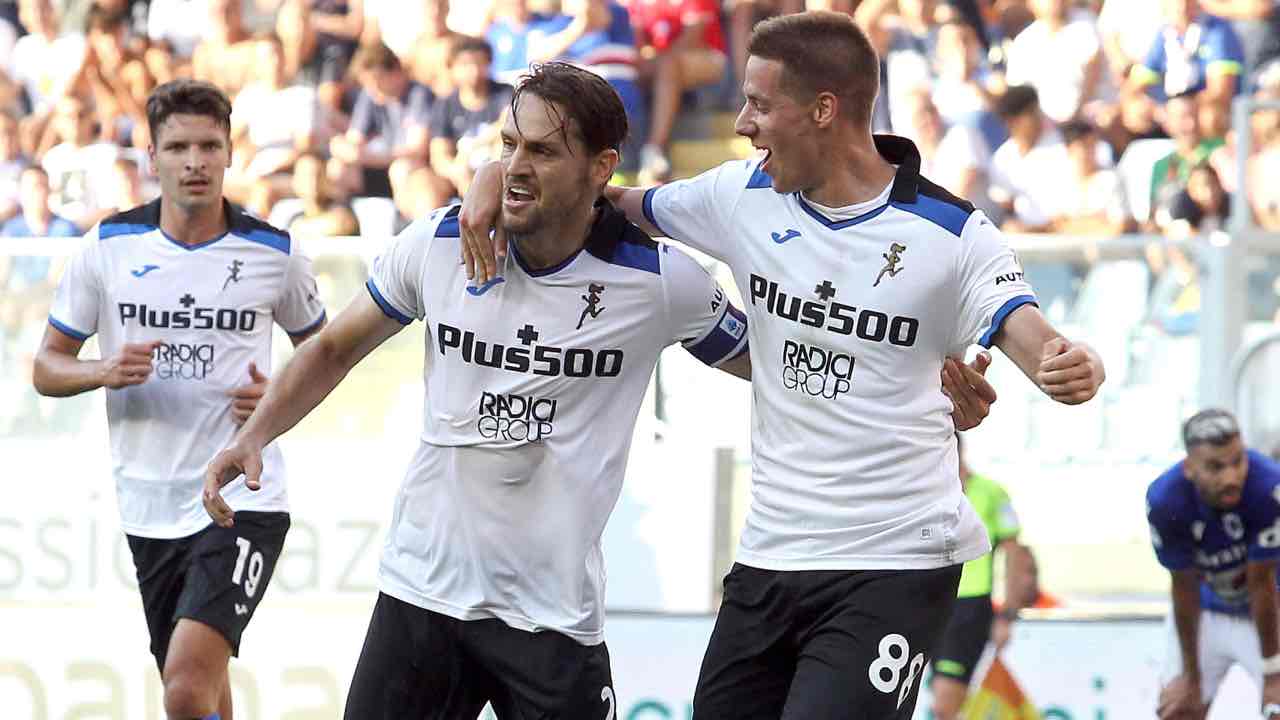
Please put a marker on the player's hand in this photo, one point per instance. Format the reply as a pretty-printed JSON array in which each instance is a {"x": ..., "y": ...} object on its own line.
[
  {"x": 1070, "y": 372},
  {"x": 1271, "y": 697},
  {"x": 483, "y": 250},
  {"x": 1001, "y": 632},
  {"x": 243, "y": 457},
  {"x": 244, "y": 399},
  {"x": 1180, "y": 700},
  {"x": 130, "y": 366},
  {"x": 971, "y": 395}
]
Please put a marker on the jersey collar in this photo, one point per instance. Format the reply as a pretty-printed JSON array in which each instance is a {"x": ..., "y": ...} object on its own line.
[
  {"x": 605, "y": 234},
  {"x": 238, "y": 221},
  {"x": 897, "y": 151}
]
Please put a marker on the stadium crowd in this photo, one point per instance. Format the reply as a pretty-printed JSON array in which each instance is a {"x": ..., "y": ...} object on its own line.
[{"x": 1088, "y": 117}]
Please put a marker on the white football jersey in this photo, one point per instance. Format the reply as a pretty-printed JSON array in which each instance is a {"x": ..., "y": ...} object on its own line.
[
  {"x": 852, "y": 311},
  {"x": 533, "y": 384},
  {"x": 212, "y": 306}
]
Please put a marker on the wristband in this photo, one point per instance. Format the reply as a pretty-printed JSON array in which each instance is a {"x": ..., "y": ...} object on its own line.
[{"x": 1271, "y": 665}]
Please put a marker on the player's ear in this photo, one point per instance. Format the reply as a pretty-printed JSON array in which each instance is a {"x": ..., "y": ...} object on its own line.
[
  {"x": 602, "y": 167},
  {"x": 824, "y": 110}
]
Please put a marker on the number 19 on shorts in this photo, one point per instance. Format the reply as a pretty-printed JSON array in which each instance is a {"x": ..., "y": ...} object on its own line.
[
  {"x": 886, "y": 672},
  {"x": 253, "y": 561}
]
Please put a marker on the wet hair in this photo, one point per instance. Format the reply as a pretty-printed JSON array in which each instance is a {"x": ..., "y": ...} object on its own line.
[
  {"x": 820, "y": 52},
  {"x": 1209, "y": 427},
  {"x": 1017, "y": 100},
  {"x": 187, "y": 97},
  {"x": 580, "y": 99}
]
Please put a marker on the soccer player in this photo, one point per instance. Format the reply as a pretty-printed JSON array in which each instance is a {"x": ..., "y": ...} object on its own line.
[
  {"x": 491, "y": 580},
  {"x": 183, "y": 292},
  {"x": 973, "y": 620},
  {"x": 861, "y": 278},
  {"x": 1215, "y": 525}
]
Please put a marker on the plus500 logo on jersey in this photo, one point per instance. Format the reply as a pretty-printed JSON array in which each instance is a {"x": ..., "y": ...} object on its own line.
[
  {"x": 195, "y": 318},
  {"x": 515, "y": 417},
  {"x": 871, "y": 325},
  {"x": 537, "y": 359},
  {"x": 182, "y": 361}
]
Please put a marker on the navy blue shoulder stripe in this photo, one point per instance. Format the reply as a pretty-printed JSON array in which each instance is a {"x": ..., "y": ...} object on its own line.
[
  {"x": 262, "y": 232},
  {"x": 938, "y": 206},
  {"x": 448, "y": 227},
  {"x": 135, "y": 221},
  {"x": 616, "y": 241}
]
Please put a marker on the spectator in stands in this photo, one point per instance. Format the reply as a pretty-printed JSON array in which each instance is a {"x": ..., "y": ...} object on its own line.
[
  {"x": 1027, "y": 170},
  {"x": 1125, "y": 29},
  {"x": 597, "y": 35},
  {"x": 298, "y": 41},
  {"x": 1202, "y": 206},
  {"x": 321, "y": 215},
  {"x": 174, "y": 26},
  {"x": 1263, "y": 166},
  {"x": 118, "y": 78},
  {"x": 1060, "y": 55},
  {"x": 389, "y": 122},
  {"x": 12, "y": 163},
  {"x": 508, "y": 35},
  {"x": 429, "y": 54},
  {"x": 465, "y": 125},
  {"x": 45, "y": 63},
  {"x": 1256, "y": 24},
  {"x": 744, "y": 14},
  {"x": 226, "y": 55},
  {"x": 37, "y": 218},
  {"x": 272, "y": 122},
  {"x": 1093, "y": 197},
  {"x": 682, "y": 48},
  {"x": 1192, "y": 147},
  {"x": 1196, "y": 54},
  {"x": 966, "y": 89},
  {"x": 131, "y": 191},
  {"x": 79, "y": 167},
  {"x": 955, "y": 157},
  {"x": 904, "y": 35},
  {"x": 338, "y": 25}
]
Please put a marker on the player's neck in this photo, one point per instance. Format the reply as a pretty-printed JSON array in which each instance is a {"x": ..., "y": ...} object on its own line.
[
  {"x": 552, "y": 245},
  {"x": 192, "y": 226},
  {"x": 861, "y": 176}
]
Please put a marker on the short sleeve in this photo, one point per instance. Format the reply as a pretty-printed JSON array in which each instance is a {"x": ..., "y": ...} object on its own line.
[
  {"x": 1170, "y": 538},
  {"x": 991, "y": 283},
  {"x": 78, "y": 300},
  {"x": 1007, "y": 526},
  {"x": 1262, "y": 512},
  {"x": 418, "y": 112},
  {"x": 395, "y": 282},
  {"x": 1225, "y": 53},
  {"x": 699, "y": 313},
  {"x": 438, "y": 119},
  {"x": 362, "y": 115},
  {"x": 299, "y": 309},
  {"x": 1151, "y": 69},
  {"x": 696, "y": 211}
]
